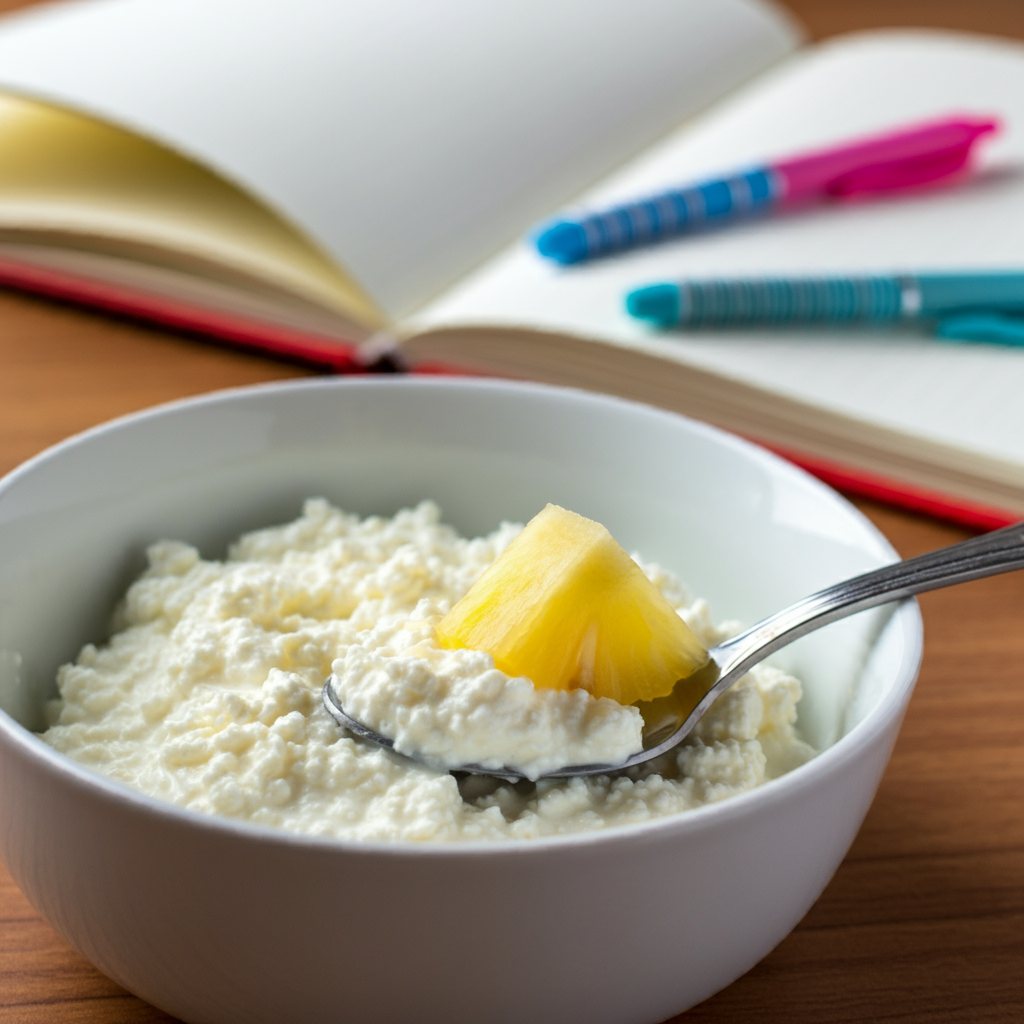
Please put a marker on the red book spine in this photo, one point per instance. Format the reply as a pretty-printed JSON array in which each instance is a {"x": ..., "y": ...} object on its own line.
[
  {"x": 279, "y": 341},
  {"x": 903, "y": 495}
]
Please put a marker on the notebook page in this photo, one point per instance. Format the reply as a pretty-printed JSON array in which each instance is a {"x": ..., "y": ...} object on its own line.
[
  {"x": 69, "y": 181},
  {"x": 410, "y": 140},
  {"x": 968, "y": 396}
]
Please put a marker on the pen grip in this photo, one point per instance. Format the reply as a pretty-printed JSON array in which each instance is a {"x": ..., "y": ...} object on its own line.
[
  {"x": 769, "y": 300},
  {"x": 658, "y": 217}
]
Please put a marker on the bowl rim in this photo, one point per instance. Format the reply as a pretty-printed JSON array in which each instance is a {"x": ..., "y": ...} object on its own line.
[{"x": 906, "y": 617}]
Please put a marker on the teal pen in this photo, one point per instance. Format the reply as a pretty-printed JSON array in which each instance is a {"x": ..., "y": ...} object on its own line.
[{"x": 829, "y": 300}]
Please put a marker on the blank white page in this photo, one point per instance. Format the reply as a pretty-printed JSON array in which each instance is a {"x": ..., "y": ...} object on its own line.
[
  {"x": 969, "y": 396},
  {"x": 410, "y": 139}
]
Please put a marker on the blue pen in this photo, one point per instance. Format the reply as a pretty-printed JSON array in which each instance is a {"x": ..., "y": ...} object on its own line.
[
  {"x": 958, "y": 299},
  {"x": 901, "y": 159}
]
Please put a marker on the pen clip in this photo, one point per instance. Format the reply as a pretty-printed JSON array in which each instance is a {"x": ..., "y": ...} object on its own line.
[
  {"x": 897, "y": 160},
  {"x": 889, "y": 175},
  {"x": 994, "y": 327}
]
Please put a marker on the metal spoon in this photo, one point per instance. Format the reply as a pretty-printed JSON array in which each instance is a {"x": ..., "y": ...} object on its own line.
[{"x": 669, "y": 720}]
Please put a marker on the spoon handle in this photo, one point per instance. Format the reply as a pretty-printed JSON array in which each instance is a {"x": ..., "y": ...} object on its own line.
[{"x": 987, "y": 555}]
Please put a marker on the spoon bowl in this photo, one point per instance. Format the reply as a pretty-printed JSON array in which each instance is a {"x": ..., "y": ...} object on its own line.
[{"x": 669, "y": 720}]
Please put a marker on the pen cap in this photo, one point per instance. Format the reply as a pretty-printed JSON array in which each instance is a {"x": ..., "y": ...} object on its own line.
[
  {"x": 944, "y": 293},
  {"x": 901, "y": 159}
]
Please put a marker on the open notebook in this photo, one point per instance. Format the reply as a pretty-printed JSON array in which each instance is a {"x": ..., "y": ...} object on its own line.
[{"x": 304, "y": 176}]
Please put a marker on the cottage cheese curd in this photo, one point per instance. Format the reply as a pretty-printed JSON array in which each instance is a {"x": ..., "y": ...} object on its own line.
[
  {"x": 208, "y": 695},
  {"x": 453, "y": 707}
]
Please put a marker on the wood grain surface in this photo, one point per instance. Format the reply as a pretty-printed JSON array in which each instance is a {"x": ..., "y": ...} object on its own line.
[{"x": 924, "y": 921}]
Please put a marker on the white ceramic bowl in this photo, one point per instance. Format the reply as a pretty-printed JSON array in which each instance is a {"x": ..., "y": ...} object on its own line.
[{"x": 216, "y": 921}]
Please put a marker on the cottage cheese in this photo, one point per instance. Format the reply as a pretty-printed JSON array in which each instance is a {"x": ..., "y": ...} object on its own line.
[
  {"x": 454, "y": 708},
  {"x": 208, "y": 695}
]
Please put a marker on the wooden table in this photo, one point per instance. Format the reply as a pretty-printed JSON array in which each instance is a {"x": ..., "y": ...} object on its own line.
[{"x": 924, "y": 921}]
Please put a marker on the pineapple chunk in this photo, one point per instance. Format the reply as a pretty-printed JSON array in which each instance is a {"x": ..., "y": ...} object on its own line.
[{"x": 566, "y": 606}]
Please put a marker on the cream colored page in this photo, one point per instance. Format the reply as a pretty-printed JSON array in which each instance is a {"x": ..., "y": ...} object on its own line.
[
  {"x": 412, "y": 140},
  {"x": 69, "y": 181},
  {"x": 965, "y": 395}
]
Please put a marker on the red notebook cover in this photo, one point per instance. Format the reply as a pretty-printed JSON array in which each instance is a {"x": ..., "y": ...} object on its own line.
[
  {"x": 320, "y": 351},
  {"x": 331, "y": 354}
]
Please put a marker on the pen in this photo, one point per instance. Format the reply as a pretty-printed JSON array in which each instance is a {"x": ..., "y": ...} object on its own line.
[
  {"x": 899, "y": 159},
  {"x": 957, "y": 300}
]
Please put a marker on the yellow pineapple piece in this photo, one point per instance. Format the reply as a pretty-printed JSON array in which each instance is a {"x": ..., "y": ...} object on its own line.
[{"x": 566, "y": 606}]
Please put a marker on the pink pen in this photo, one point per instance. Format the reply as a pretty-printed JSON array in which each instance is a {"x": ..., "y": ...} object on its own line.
[{"x": 901, "y": 159}]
